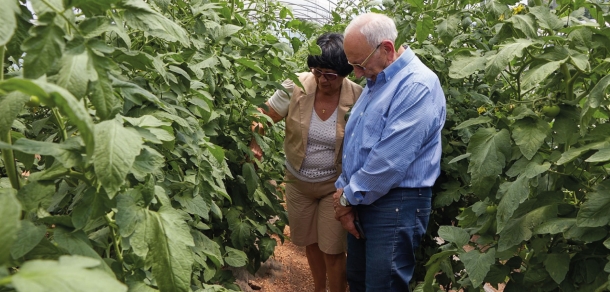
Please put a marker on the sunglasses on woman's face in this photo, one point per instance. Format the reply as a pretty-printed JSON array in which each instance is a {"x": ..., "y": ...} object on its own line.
[{"x": 328, "y": 76}]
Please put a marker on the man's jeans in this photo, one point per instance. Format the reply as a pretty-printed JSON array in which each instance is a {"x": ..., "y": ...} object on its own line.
[{"x": 393, "y": 226}]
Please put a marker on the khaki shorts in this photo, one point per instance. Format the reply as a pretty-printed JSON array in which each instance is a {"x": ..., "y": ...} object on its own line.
[{"x": 311, "y": 215}]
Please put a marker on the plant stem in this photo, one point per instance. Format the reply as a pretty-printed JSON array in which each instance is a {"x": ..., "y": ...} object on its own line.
[
  {"x": 569, "y": 82},
  {"x": 60, "y": 13},
  {"x": 115, "y": 239},
  {"x": 9, "y": 162},
  {"x": 60, "y": 124},
  {"x": 7, "y": 154}
]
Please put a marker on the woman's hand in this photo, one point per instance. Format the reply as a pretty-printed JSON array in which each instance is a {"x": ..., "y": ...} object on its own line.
[{"x": 256, "y": 149}]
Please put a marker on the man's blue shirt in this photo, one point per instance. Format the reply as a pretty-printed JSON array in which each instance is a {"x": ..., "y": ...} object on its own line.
[{"x": 393, "y": 135}]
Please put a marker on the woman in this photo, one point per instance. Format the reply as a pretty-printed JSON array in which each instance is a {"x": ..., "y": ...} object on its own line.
[{"x": 315, "y": 121}]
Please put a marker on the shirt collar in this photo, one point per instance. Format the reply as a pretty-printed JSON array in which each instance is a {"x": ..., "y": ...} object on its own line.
[{"x": 405, "y": 58}]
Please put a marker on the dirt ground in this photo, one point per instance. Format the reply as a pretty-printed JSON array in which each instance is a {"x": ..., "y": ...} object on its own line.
[{"x": 286, "y": 271}]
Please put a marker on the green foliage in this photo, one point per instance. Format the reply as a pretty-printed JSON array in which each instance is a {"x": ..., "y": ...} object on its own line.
[
  {"x": 135, "y": 142},
  {"x": 525, "y": 160}
]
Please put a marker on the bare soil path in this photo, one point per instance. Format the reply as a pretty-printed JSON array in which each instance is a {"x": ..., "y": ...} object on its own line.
[{"x": 286, "y": 271}]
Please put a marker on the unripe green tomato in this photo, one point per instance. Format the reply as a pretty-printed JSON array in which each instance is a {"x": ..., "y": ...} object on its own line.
[
  {"x": 33, "y": 102},
  {"x": 551, "y": 111},
  {"x": 491, "y": 209}
]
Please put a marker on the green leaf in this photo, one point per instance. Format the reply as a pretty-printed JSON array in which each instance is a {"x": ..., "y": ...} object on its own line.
[
  {"x": 44, "y": 46},
  {"x": 489, "y": 149},
  {"x": 555, "y": 226},
  {"x": 235, "y": 257},
  {"x": 139, "y": 286},
  {"x": 226, "y": 31},
  {"x": 69, "y": 274},
  {"x": 149, "y": 161},
  {"x": 169, "y": 240},
  {"x": 103, "y": 98},
  {"x": 251, "y": 177},
  {"x": 447, "y": 29},
  {"x": 8, "y": 21},
  {"x": 526, "y": 24},
  {"x": 10, "y": 216},
  {"x": 424, "y": 28},
  {"x": 498, "y": 62},
  {"x": 573, "y": 153},
  {"x": 477, "y": 264},
  {"x": 194, "y": 205},
  {"x": 581, "y": 61},
  {"x": 529, "y": 135},
  {"x": 558, "y": 265},
  {"x": 66, "y": 153},
  {"x": 546, "y": 18},
  {"x": 91, "y": 206},
  {"x": 133, "y": 92},
  {"x": 520, "y": 229},
  {"x": 527, "y": 168},
  {"x": 474, "y": 121},
  {"x": 455, "y": 235},
  {"x": 140, "y": 16},
  {"x": 76, "y": 71},
  {"x": 10, "y": 106},
  {"x": 250, "y": 64},
  {"x": 598, "y": 93},
  {"x": 75, "y": 110},
  {"x": 512, "y": 195},
  {"x": 209, "y": 248},
  {"x": 34, "y": 195},
  {"x": 241, "y": 233},
  {"x": 115, "y": 152},
  {"x": 462, "y": 67},
  {"x": 266, "y": 246},
  {"x": 76, "y": 243},
  {"x": 28, "y": 237},
  {"x": 129, "y": 216},
  {"x": 594, "y": 211},
  {"x": 534, "y": 76},
  {"x": 600, "y": 156},
  {"x": 496, "y": 7}
]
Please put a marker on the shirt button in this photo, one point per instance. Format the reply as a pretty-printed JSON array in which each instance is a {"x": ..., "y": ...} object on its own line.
[
  {"x": 344, "y": 156},
  {"x": 352, "y": 134},
  {"x": 360, "y": 113}
]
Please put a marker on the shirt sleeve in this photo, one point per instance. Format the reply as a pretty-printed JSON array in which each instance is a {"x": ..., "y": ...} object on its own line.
[
  {"x": 280, "y": 100},
  {"x": 412, "y": 122}
]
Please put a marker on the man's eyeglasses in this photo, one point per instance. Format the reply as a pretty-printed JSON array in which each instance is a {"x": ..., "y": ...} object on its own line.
[
  {"x": 328, "y": 76},
  {"x": 361, "y": 65}
]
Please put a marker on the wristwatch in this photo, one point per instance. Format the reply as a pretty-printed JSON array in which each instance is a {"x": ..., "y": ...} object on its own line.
[{"x": 343, "y": 201}]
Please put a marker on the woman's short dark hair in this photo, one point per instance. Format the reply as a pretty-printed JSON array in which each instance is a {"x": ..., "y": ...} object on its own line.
[{"x": 332, "y": 57}]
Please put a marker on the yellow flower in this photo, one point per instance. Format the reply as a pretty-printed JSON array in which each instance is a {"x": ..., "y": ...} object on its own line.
[
  {"x": 481, "y": 110},
  {"x": 501, "y": 18},
  {"x": 518, "y": 9}
]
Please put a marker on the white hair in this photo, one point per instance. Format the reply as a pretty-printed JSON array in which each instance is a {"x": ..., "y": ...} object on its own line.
[{"x": 374, "y": 27}]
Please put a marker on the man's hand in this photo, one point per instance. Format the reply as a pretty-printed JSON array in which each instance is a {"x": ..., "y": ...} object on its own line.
[
  {"x": 344, "y": 214},
  {"x": 347, "y": 221}
]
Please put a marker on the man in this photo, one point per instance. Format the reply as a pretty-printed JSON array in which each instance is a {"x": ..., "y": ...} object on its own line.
[{"x": 391, "y": 156}]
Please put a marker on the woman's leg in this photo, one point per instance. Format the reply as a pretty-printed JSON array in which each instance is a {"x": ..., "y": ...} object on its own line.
[
  {"x": 317, "y": 266},
  {"x": 335, "y": 269}
]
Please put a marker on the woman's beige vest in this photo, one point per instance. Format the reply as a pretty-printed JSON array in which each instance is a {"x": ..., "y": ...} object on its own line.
[{"x": 299, "y": 118}]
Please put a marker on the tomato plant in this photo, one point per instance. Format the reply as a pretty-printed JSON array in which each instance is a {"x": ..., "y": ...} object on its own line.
[
  {"x": 525, "y": 191},
  {"x": 129, "y": 166}
]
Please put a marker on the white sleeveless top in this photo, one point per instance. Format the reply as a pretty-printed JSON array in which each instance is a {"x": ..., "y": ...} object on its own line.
[{"x": 319, "y": 162}]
